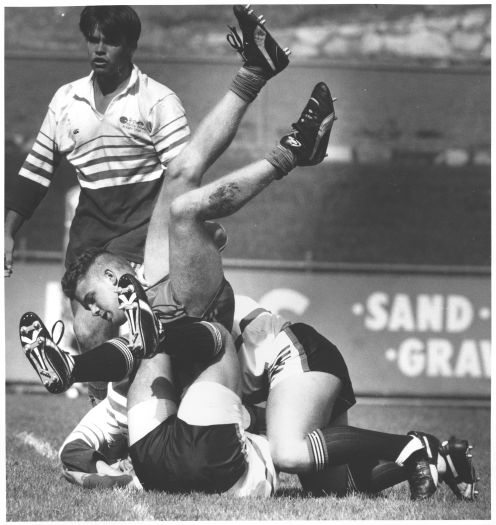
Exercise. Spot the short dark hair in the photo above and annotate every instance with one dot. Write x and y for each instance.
(114, 21)
(78, 269)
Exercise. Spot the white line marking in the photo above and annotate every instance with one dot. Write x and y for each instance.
(46, 450)
(42, 447)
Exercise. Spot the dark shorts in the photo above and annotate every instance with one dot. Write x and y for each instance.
(317, 354)
(178, 457)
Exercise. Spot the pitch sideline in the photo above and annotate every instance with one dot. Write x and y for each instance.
(45, 449)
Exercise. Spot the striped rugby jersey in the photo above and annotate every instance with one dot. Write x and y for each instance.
(119, 158)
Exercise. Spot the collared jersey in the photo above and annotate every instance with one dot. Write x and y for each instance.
(119, 158)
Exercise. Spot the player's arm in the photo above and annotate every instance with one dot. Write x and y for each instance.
(13, 221)
(25, 190)
(86, 444)
(82, 453)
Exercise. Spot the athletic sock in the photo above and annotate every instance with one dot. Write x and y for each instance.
(283, 159)
(373, 477)
(338, 445)
(111, 361)
(248, 82)
(198, 342)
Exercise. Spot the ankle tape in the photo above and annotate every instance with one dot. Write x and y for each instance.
(247, 83)
(283, 159)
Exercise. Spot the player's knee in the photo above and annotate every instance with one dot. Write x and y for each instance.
(183, 209)
(289, 455)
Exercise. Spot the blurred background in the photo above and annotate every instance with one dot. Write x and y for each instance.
(385, 247)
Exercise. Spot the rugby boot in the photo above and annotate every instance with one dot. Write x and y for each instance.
(309, 136)
(257, 48)
(53, 365)
(143, 325)
(460, 474)
(422, 467)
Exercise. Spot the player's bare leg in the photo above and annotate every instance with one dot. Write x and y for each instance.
(214, 396)
(215, 132)
(194, 261)
(151, 397)
(295, 407)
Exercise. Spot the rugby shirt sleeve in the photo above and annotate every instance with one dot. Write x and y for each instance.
(169, 128)
(25, 190)
(87, 443)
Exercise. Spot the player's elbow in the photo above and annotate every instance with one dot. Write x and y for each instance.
(185, 169)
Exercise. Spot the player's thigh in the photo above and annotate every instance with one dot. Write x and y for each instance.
(152, 397)
(224, 370)
(297, 405)
(195, 263)
(309, 387)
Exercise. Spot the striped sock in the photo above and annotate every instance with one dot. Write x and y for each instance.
(199, 342)
(338, 445)
(111, 361)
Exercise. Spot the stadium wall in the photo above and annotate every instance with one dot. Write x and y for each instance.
(408, 163)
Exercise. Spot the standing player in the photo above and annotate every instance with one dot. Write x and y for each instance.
(119, 129)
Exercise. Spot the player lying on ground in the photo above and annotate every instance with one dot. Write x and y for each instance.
(231, 190)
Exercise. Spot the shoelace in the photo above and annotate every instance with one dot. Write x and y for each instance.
(235, 41)
(62, 330)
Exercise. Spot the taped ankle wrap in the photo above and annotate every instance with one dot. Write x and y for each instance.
(283, 159)
(247, 84)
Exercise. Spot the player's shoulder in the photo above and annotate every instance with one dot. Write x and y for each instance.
(153, 89)
(66, 92)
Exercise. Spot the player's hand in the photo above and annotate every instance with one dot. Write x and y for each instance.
(111, 478)
(8, 255)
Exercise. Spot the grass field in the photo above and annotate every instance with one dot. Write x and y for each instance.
(37, 423)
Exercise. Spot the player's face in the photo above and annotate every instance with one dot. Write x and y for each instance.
(108, 56)
(97, 292)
